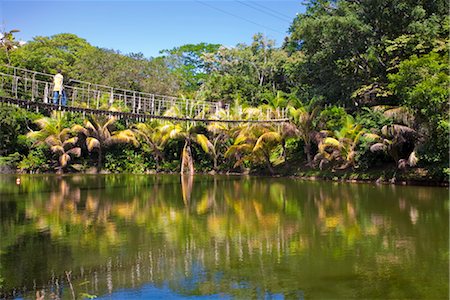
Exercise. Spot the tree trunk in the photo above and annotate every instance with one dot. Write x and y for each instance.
(186, 159)
(269, 164)
(307, 150)
(283, 145)
(215, 163)
(157, 163)
(100, 158)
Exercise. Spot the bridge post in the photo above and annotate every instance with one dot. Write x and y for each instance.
(74, 94)
(98, 98)
(152, 105)
(25, 87)
(111, 97)
(134, 102)
(45, 93)
(125, 98)
(33, 86)
(88, 92)
(14, 85)
(140, 104)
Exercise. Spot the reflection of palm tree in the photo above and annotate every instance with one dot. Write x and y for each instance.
(99, 135)
(186, 188)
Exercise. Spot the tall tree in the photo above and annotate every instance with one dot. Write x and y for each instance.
(187, 62)
(8, 42)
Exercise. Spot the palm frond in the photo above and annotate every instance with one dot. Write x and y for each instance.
(235, 149)
(70, 142)
(123, 137)
(52, 140)
(57, 149)
(64, 159)
(396, 129)
(64, 134)
(203, 141)
(413, 159)
(75, 151)
(173, 111)
(79, 129)
(43, 122)
(400, 114)
(109, 122)
(371, 136)
(267, 138)
(378, 147)
(92, 143)
(90, 127)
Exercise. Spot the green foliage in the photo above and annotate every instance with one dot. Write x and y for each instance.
(36, 161)
(385, 61)
(47, 54)
(332, 118)
(187, 63)
(13, 124)
(422, 84)
(126, 160)
(11, 160)
(372, 119)
(252, 73)
(8, 43)
(349, 44)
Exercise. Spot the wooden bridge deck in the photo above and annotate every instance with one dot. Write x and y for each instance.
(34, 90)
(30, 105)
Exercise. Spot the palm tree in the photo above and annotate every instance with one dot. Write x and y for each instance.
(254, 142)
(189, 133)
(341, 148)
(220, 135)
(152, 136)
(53, 134)
(99, 135)
(303, 118)
(8, 42)
(398, 141)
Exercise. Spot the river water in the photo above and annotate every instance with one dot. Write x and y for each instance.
(209, 237)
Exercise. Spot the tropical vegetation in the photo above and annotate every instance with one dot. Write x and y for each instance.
(365, 85)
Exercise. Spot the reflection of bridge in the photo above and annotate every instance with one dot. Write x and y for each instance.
(33, 90)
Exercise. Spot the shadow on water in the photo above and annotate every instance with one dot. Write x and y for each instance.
(247, 237)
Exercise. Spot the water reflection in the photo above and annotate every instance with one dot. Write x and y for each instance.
(242, 237)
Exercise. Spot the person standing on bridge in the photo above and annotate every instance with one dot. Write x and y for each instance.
(58, 88)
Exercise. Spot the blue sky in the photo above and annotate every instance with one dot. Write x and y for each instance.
(150, 26)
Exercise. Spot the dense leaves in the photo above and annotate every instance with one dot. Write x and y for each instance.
(349, 72)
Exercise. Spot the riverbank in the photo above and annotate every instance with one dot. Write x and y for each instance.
(384, 174)
(381, 175)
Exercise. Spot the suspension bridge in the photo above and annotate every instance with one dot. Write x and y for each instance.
(34, 91)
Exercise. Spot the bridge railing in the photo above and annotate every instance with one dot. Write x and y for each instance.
(35, 86)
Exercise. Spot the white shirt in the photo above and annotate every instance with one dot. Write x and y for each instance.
(57, 83)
